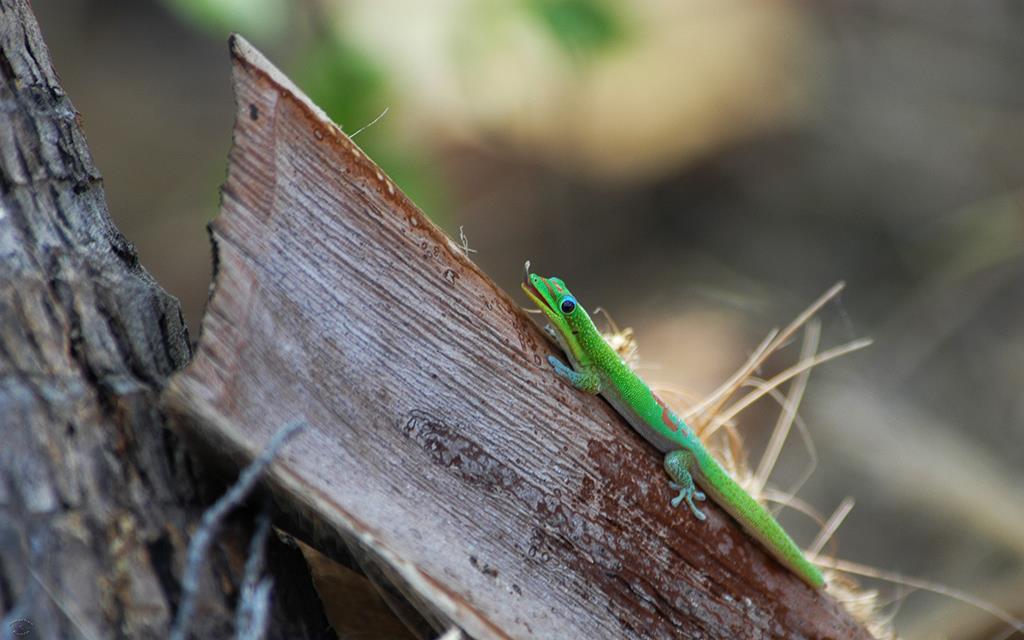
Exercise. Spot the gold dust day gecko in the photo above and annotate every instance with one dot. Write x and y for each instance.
(596, 368)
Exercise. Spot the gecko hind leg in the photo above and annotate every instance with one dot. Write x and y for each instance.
(677, 464)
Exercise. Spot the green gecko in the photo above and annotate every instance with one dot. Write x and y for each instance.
(597, 368)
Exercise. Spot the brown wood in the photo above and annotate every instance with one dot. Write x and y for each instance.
(97, 500)
(440, 441)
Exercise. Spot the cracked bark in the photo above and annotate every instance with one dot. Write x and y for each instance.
(97, 499)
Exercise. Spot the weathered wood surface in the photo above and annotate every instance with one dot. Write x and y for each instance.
(439, 438)
(97, 500)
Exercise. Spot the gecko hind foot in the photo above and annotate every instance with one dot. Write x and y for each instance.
(689, 494)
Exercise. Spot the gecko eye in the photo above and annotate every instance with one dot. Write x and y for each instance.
(568, 305)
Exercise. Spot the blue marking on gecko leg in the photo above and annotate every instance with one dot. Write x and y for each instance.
(587, 381)
(677, 464)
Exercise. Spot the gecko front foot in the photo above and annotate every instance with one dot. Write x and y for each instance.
(587, 381)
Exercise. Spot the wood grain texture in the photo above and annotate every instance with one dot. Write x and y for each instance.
(97, 498)
(440, 439)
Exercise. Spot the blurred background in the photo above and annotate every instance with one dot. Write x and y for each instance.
(702, 169)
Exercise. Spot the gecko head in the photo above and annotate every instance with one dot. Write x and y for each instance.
(556, 301)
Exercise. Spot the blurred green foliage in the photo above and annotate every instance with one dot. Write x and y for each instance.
(339, 78)
(255, 18)
(354, 88)
(583, 28)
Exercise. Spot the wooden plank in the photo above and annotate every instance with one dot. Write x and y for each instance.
(440, 440)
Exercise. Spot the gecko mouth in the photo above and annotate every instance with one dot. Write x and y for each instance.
(532, 290)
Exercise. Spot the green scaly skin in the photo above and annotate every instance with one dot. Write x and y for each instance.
(597, 368)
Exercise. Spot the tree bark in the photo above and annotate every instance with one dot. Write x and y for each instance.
(439, 442)
(97, 499)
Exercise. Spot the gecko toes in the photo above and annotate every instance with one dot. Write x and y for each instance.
(689, 494)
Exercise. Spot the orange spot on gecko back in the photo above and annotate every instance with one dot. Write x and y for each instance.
(547, 285)
(666, 414)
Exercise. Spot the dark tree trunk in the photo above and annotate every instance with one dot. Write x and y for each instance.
(97, 500)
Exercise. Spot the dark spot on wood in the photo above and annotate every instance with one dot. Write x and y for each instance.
(124, 250)
(466, 459)
(485, 569)
(21, 628)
